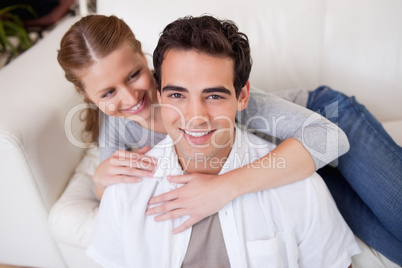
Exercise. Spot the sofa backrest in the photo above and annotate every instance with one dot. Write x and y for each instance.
(350, 45)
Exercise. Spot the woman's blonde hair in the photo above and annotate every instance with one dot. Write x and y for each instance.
(92, 38)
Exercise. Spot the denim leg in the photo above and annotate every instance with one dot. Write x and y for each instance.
(359, 217)
(373, 165)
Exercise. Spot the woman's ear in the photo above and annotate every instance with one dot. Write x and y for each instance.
(243, 97)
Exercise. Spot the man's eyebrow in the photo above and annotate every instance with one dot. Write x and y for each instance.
(217, 90)
(205, 91)
(174, 88)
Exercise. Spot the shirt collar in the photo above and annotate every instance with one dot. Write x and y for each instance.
(168, 163)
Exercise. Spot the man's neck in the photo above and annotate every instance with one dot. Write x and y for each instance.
(206, 165)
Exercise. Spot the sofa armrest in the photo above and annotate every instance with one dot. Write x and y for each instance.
(36, 157)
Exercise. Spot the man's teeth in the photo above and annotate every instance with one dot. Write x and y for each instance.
(136, 107)
(196, 134)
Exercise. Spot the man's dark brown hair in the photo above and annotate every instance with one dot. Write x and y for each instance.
(206, 34)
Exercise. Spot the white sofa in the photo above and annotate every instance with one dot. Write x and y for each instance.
(352, 46)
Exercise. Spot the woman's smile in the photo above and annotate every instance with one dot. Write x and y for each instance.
(137, 108)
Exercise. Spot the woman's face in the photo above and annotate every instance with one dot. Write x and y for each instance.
(121, 85)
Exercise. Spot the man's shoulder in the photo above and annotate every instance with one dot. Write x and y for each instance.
(307, 195)
(122, 196)
(118, 191)
(312, 186)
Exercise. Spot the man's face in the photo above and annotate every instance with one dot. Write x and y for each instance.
(199, 103)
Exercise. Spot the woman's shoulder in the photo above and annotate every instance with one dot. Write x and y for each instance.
(297, 96)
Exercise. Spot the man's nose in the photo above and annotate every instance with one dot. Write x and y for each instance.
(197, 114)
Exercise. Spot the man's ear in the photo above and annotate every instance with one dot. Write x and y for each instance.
(243, 97)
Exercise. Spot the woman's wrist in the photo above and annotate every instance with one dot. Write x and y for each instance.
(99, 189)
(233, 184)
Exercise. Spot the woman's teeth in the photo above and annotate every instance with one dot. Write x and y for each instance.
(196, 134)
(136, 107)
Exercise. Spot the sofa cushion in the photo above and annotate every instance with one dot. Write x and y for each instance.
(394, 129)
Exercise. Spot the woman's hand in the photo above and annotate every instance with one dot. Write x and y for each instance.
(200, 197)
(123, 166)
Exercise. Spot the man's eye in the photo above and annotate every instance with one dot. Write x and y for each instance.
(108, 93)
(214, 97)
(176, 95)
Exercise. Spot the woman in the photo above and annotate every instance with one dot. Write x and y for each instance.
(104, 61)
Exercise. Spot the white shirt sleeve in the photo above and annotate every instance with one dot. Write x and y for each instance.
(327, 239)
(107, 245)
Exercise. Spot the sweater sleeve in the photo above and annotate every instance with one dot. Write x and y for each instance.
(111, 136)
(276, 118)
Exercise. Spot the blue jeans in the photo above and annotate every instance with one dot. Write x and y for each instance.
(367, 182)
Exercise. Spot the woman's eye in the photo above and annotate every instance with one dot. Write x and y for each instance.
(134, 75)
(176, 95)
(108, 93)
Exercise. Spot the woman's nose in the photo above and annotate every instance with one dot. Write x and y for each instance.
(129, 96)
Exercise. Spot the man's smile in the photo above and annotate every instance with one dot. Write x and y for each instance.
(196, 137)
(196, 133)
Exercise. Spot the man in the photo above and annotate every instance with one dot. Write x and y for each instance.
(202, 67)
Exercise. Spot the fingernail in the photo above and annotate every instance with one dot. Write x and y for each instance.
(138, 180)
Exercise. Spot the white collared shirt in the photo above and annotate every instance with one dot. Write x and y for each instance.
(296, 225)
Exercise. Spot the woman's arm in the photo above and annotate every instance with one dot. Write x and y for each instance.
(204, 195)
(273, 116)
(287, 163)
